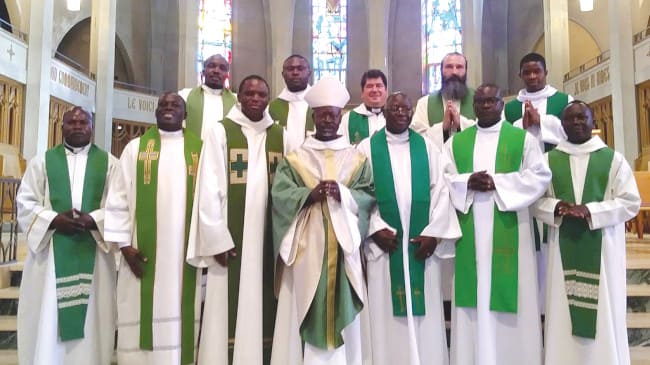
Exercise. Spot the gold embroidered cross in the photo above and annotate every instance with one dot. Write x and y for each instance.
(147, 156)
(401, 295)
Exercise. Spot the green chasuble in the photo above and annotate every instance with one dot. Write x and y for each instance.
(580, 247)
(335, 302)
(505, 238)
(435, 107)
(419, 216)
(145, 216)
(357, 127)
(194, 120)
(74, 254)
(237, 179)
(279, 111)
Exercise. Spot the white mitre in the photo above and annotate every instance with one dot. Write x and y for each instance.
(328, 91)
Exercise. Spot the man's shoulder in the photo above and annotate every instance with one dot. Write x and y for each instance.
(184, 93)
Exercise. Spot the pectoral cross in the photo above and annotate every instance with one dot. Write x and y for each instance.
(147, 156)
(401, 295)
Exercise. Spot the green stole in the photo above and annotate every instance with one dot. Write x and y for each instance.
(237, 181)
(420, 203)
(194, 120)
(358, 128)
(279, 111)
(145, 217)
(580, 247)
(505, 235)
(436, 108)
(74, 254)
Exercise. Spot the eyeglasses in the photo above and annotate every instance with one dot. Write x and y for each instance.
(489, 100)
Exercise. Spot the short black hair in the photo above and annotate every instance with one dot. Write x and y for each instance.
(169, 92)
(69, 113)
(532, 57)
(295, 55)
(574, 102)
(442, 61)
(373, 74)
(253, 77)
(492, 85)
(205, 62)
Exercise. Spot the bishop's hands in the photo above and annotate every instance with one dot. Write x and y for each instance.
(134, 259)
(481, 181)
(531, 115)
(224, 257)
(324, 189)
(73, 221)
(566, 209)
(451, 118)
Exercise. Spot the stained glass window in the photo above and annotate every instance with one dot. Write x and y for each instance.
(441, 34)
(215, 30)
(329, 38)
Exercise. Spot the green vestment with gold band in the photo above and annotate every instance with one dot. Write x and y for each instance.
(195, 100)
(146, 222)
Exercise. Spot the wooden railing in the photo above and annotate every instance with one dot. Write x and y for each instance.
(587, 65)
(8, 219)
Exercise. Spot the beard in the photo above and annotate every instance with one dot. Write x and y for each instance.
(454, 87)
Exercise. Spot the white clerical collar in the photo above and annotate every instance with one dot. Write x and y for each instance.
(397, 138)
(339, 143)
(76, 150)
(594, 144)
(237, 116)
(363, 110)
(547, 91)
(209, 90)
(493, 128)
(290, 96)
(170, 134)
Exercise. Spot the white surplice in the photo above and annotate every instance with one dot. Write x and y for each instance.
(375, 122)
(170, 233)
(298, 278)
(479, 335)
(434, 132)
(296, 117)
(412, 340)
(549, 131)
(38, 339)
(212, 106)
(209, 236)
(620, 203)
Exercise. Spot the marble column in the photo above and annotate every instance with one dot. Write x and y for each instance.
(280, 18)
(472, 23)
(37, 93)
(556, 40)
(102, 64)
(621, 72)
(377, 12)
(188, 43)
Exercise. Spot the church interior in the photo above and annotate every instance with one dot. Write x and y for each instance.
(115, 57)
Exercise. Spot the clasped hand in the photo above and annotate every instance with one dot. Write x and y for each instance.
(324, 189)
(481, 181)
(387, 241)
(451, 118)
(531, 115)
(73, 221)
(566, 209)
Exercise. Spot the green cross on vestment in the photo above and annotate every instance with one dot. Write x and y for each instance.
(239, 165)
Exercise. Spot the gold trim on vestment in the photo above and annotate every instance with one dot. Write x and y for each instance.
(147, 156)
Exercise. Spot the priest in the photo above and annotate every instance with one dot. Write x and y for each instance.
(407, 247)
(211, 101)
(498, 172)
(147, 216)
(593, 193)
(322, 197)
(290, 109)
(443, 113)
(66, 312)
(230, 232)
(367, 118)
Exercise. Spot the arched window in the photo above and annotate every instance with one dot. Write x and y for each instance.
(441, 34)
(329, 38)
(215, 30)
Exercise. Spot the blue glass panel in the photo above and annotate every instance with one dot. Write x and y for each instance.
(329, 38)
(441, 34)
